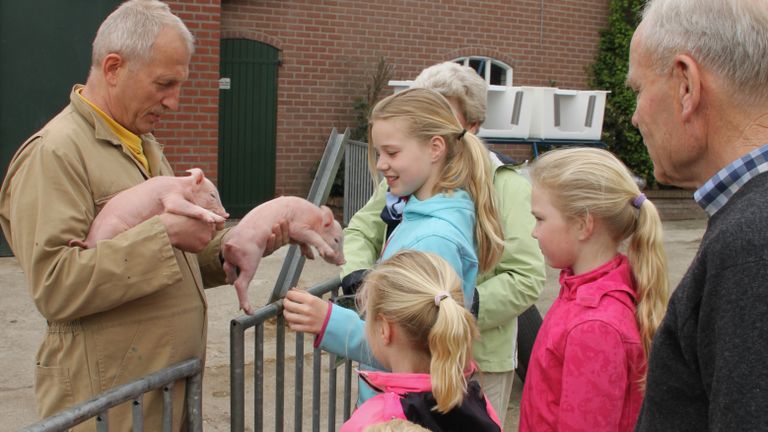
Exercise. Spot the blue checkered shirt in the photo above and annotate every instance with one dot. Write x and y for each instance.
(716, 192)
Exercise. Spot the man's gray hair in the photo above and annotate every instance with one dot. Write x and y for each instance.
(456, 81)
(132, 29)
(729, 37)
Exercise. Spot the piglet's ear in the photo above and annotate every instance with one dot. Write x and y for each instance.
(197, 175)
(327, 216)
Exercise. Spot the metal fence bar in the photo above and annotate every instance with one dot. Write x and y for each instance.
(194, 398)
(347, 389)
(298, 386)
(137, 412)
(280, 374)
(99, 405)
(258, 376)
(237, 371)
(168, 408)
(102, 422)
(237, 375)
(331, 393)
(316, 368)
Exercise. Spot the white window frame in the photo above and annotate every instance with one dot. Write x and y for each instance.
(489, 62)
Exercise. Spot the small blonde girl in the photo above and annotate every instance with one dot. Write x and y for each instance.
(418, 328)
(589, 360)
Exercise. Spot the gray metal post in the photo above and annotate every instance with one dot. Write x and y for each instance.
(194, 389)
(237, 376)
(331, 393)
(137, 411)
(168, 408)
(317, 366)
(298, 385)
(258, 379)
(347, 389)
(102, 422)
(280, 375)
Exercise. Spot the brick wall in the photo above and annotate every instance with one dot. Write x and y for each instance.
(190, 135)
(329, 50)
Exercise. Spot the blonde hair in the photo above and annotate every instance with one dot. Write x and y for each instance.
(403, 289)
(467, 164)
(131, 31)
(460, 82)
(586, 181)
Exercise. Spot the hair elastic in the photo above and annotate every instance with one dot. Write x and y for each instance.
(638, 201)
(442, 295)
(461, 135)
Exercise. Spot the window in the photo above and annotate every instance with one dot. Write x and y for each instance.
(494, 71)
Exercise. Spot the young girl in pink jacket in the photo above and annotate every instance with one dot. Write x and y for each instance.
(418, 328)
(588, 364)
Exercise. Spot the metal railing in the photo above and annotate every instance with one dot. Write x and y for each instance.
(238, 373)
(288, 277)
(358, 186)
(99, 406)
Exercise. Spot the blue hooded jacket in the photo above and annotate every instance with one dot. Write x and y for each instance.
(444, 225)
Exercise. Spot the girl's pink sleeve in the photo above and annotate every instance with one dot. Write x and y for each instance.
(595, 379)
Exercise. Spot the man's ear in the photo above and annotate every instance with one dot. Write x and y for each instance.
(437, 147)
(111, 66)
(687, 75)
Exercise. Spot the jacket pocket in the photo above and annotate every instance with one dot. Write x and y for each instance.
(127, 352)
(53, 389)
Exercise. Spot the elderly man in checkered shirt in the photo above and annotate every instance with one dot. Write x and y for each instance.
(700, 70)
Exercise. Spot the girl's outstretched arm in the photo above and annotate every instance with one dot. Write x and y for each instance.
(339, 330)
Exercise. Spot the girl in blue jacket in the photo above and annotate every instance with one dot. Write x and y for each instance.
(444, 173)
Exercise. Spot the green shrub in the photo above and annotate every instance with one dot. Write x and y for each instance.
(609, 72)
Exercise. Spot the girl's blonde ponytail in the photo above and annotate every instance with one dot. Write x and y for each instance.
(422, 294)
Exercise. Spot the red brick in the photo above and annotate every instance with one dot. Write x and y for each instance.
(329, 49)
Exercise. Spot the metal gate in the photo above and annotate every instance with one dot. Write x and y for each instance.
(35, 86)
(247, 123)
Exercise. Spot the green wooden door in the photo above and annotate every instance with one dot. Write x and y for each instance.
(45, 48)
(247, 122)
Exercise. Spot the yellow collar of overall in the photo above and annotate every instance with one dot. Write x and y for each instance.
(129, 139)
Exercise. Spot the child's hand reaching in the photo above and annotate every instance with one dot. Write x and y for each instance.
(304, 312)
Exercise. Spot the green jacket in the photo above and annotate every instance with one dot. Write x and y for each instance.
(506, 292)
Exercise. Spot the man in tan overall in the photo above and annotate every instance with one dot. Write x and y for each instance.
(133, 304)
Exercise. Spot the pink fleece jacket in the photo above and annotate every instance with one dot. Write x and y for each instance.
(587, 360)
(409, 396)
